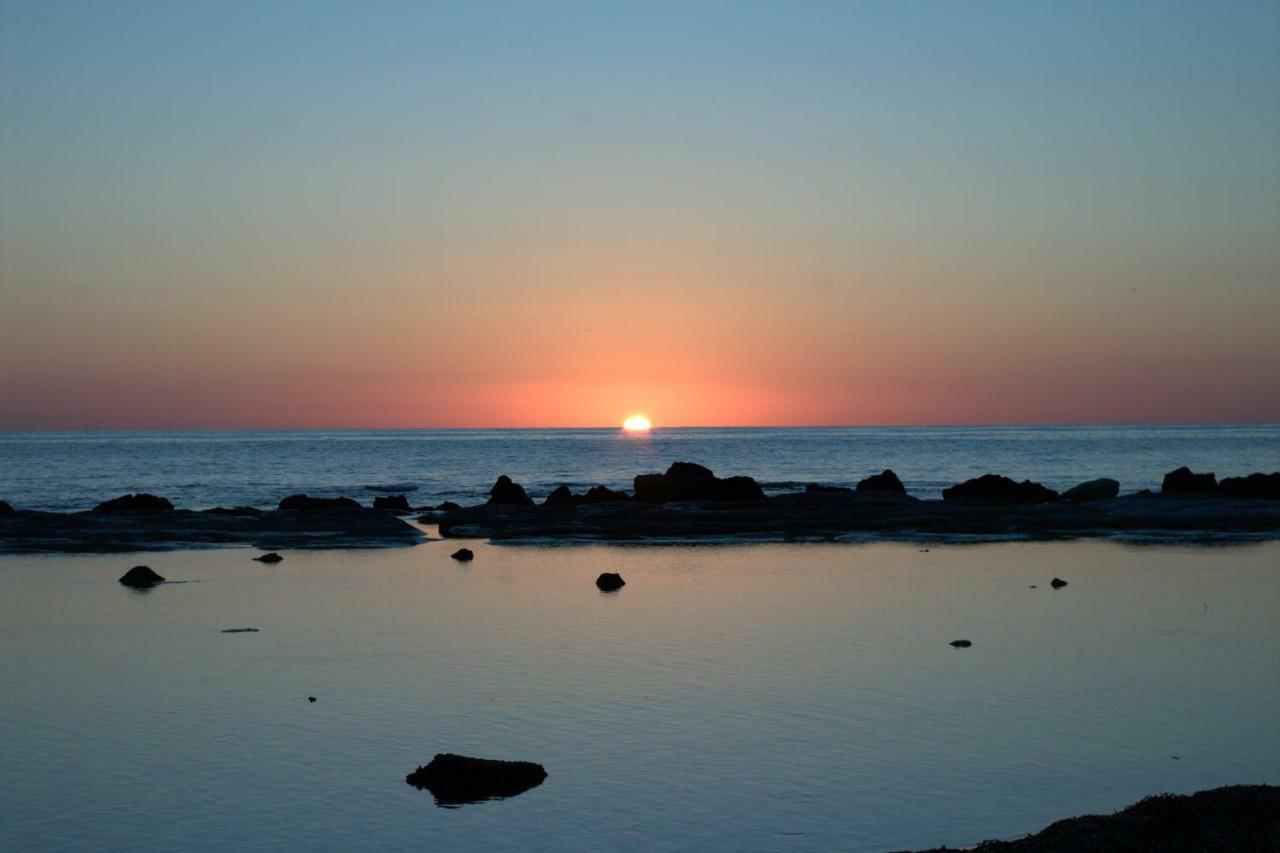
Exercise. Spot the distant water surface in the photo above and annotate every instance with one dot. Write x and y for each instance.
(767, 697)
(75, 470)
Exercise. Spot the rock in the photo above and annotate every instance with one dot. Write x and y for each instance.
(1104, 488)
(1057, 583)
(141, 577)
(273, 557)
(458, 779)
(448, 506)
(819, 489)
(239, 630)
(311, 698)
(961, 644)
(5, 508)
(398, 503)
(463, 555)
(506, 492)
(687, 481)
(304, 503)
(885, 481)
(140, 502)
(610, 582)
(233, 512)
(1253, 487)
(604, 495)
(1182, 480)
(993, 488)
(560, 496)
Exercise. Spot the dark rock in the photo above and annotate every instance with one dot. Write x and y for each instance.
(135, 503)
(273, 557)
(819, 489)
(311, 698)
(399, 503)
(604, 495)
(239, 630)
(449, 506)
(686, 481)
(506, 492)
(561, 496)
(1253, 487)
(141, 577)
(993, 488)
(1057, 583)
(885, 481)
(1182, 480)
(234, 512)
(610, 582)
(304, 503)
(961, 644)
(457, 779)
(1104, 488)
(5, 508)
(463, 555)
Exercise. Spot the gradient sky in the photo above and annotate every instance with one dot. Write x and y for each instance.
(556, 214)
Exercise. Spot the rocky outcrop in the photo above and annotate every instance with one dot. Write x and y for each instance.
(5, 509)
(448, 506)
(140, 502)
(395, 503)
(687, 481)
(604, 495)
(305, 503)
(961, 644)
(463, 555)
(993, 488)
(1182, 481)
(1092, 490)
(270, 559)
(1057, 583)
(458, 779)
(505, 492)
(885, 481)
(610, 582)
(141, 577)
(561, 496)
(1253, 487)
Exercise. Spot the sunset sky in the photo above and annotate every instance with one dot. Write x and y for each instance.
(558, 214)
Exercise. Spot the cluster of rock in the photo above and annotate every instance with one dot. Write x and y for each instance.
(1253, 487)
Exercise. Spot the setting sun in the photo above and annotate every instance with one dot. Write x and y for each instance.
(637, 423)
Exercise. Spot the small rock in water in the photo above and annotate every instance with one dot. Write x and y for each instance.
(141, 577)
(273, 557)
(1057, 583)
(239, 630)
(463, 554)
(1033, 586)
(610, 582)
(311, 698)
(397, 503)
(961, 644)
(448, 506)
(458, 779)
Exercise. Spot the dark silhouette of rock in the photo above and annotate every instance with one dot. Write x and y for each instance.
(239, 630)
(561, 496)
(463, 555)
(885, 481)
(140, 502)
(1101, 489)
(687, 481)
(604, 495)
(5, 509)
(398, 503)
(506, 492)
(273, 557)
(610, 582)
(819, 489)
(1182, 480)
(457, 779)
(1252, 487)
(449, 506)
(234, 512)
(1057, 583)
(141, 577)
(305, 503)
(311, 698)
(993, 488)
(961, 644)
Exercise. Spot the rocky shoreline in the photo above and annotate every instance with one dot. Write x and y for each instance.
(687, 503)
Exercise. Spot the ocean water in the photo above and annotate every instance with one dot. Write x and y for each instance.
(733, 697)
(75, 470)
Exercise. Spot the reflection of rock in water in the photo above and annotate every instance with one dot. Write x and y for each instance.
(456, 780)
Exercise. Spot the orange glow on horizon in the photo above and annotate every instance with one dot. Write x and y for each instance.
(637, 423)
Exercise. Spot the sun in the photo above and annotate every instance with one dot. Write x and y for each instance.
(637, 423)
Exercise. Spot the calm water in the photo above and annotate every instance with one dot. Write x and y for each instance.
(766, 697)
(75, 470)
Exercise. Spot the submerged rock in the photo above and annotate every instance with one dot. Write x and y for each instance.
(141, 577)
(140, 502)
(504, 491)
(239, 630)
(463, 555)
(399, 503)
(305, 503)
(1182, 480)
(993, 488)
(1057, 583)
(273, 557)
(885, 481)
(458, 779)
(687, 481)
(961, 644)
(1101, 489)
(1252, 487)
(610, 582)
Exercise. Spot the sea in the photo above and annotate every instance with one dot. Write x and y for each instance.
(758, 697)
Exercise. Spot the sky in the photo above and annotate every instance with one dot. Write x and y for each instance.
(488, 214)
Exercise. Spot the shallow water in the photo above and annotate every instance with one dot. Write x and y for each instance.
(75, 470)
(764, 697)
